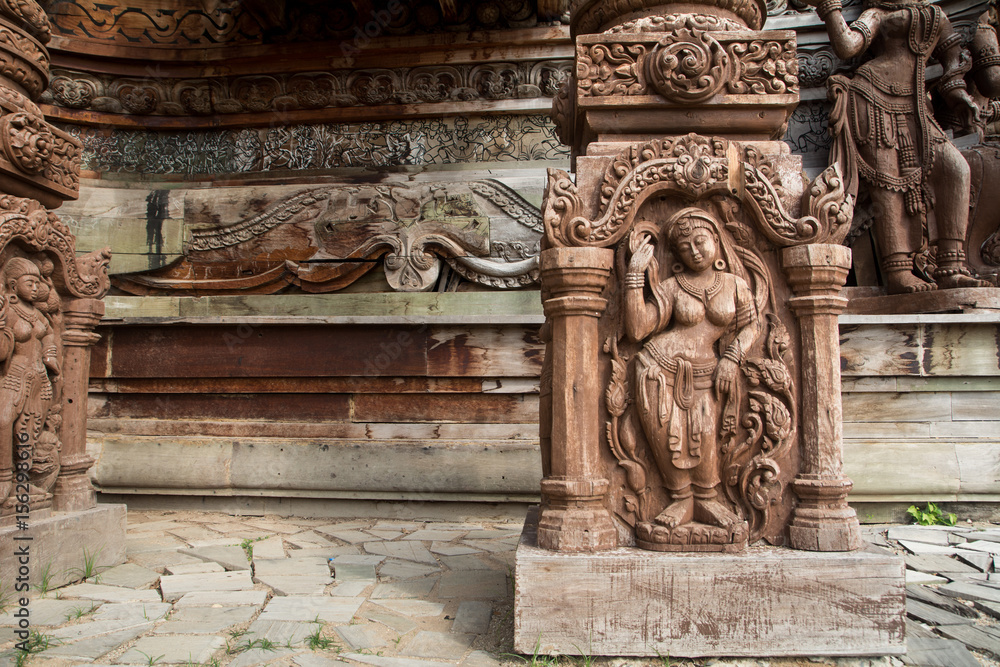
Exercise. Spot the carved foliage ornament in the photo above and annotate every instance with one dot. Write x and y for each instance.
(307, 90)
(690, 64)
(695, 166)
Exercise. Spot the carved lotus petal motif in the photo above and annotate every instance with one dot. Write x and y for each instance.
(27, 141)
(688, 66)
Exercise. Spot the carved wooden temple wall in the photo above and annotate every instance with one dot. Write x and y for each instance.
(326, 221)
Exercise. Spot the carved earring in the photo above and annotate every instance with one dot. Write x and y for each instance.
(720, 265)
(677, 267)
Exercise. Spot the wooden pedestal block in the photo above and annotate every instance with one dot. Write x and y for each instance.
(765, 601)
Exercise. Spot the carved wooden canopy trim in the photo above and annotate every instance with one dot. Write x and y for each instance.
(26, 223)
(694, 167)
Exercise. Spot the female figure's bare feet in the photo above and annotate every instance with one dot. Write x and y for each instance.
(677, 513)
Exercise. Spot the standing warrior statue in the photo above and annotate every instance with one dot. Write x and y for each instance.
(884, 130)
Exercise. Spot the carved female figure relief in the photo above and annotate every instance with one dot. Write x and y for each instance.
(695, 328)
(884, 130)
(30, 363)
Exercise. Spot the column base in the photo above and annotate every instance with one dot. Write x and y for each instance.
(574, 517)
(823, 521)
(73, 491)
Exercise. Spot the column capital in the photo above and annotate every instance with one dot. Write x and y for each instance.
(816, 269)
(80, 318)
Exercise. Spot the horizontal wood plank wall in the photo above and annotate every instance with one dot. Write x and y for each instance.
(922, 407)
(377, 397)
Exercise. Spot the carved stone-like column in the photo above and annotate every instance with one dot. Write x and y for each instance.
(73, 490)
(573, 516)
(822, 521)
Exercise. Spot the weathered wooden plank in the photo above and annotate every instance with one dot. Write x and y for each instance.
(100, 355)
(966, 429)
(883, 468)
(501, 307)
(979, 463)
(960, 349)
(886, 430)
(528, 385)
(879, 350)
(975, 405)
(301, 385)
(931, 564)
(888, 407)
(948, 383)
(260, 351)
(865, 383)
(273, 407)
(634, 602)
(485, 408)
(277, 466)
(485, 351)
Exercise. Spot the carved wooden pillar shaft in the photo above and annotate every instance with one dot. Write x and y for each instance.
(573, 516)
(73, 490)
(822, 521)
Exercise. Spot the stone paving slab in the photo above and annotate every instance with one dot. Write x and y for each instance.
(227, 598)
(259, 656)
(205, 620)
(292, 585)
(313, 660)
(175, 586)
(387, 535)
(472, 617)
(310, 565)
(114, 611)
(938, 653)
(400, 624)
(473, 584)
(350, 589)
(137, 544)
(269, 548)
(201, 567)
(440, 645)
(128, 575)
(159, 559)
(182, 649)
(48, 611)
(104, 593)
(230, 557)
(290, 633)
(91, 629)
(90, 649)
(353, 571)
(435, 535)
(445, 549)
(412, 589)
(401, 569)
(360, 637)
(480, 659)
(405, 550)
(413, 608)
(381, 661)
(923, 534)
(336, 610)
(467, 562)
(359, 559)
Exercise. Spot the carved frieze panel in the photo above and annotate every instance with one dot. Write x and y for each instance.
(501, 138)
(688, 62)
(325, 239)
(305, 90)
(195, 23)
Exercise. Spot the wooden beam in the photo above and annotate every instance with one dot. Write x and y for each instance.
(550, 10)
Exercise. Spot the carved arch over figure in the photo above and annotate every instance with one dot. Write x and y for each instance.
(695, 167)
(26, 221)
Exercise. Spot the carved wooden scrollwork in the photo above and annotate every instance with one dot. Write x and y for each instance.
(27, 221)
(695, 167)
(27, 140)
(688, 66)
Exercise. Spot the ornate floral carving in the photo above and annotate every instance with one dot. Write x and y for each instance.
(696, 166)
(690, 64)
(594, 16)
(29, 14)
(419, 142)
(307, 90)
(23, 60)
(27, 141)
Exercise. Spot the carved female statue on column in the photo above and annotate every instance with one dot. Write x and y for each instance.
(695, 331)
(29, 360)
(884, 130)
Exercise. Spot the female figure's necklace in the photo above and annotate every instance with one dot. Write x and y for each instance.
(26, 315)
(702, 295)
